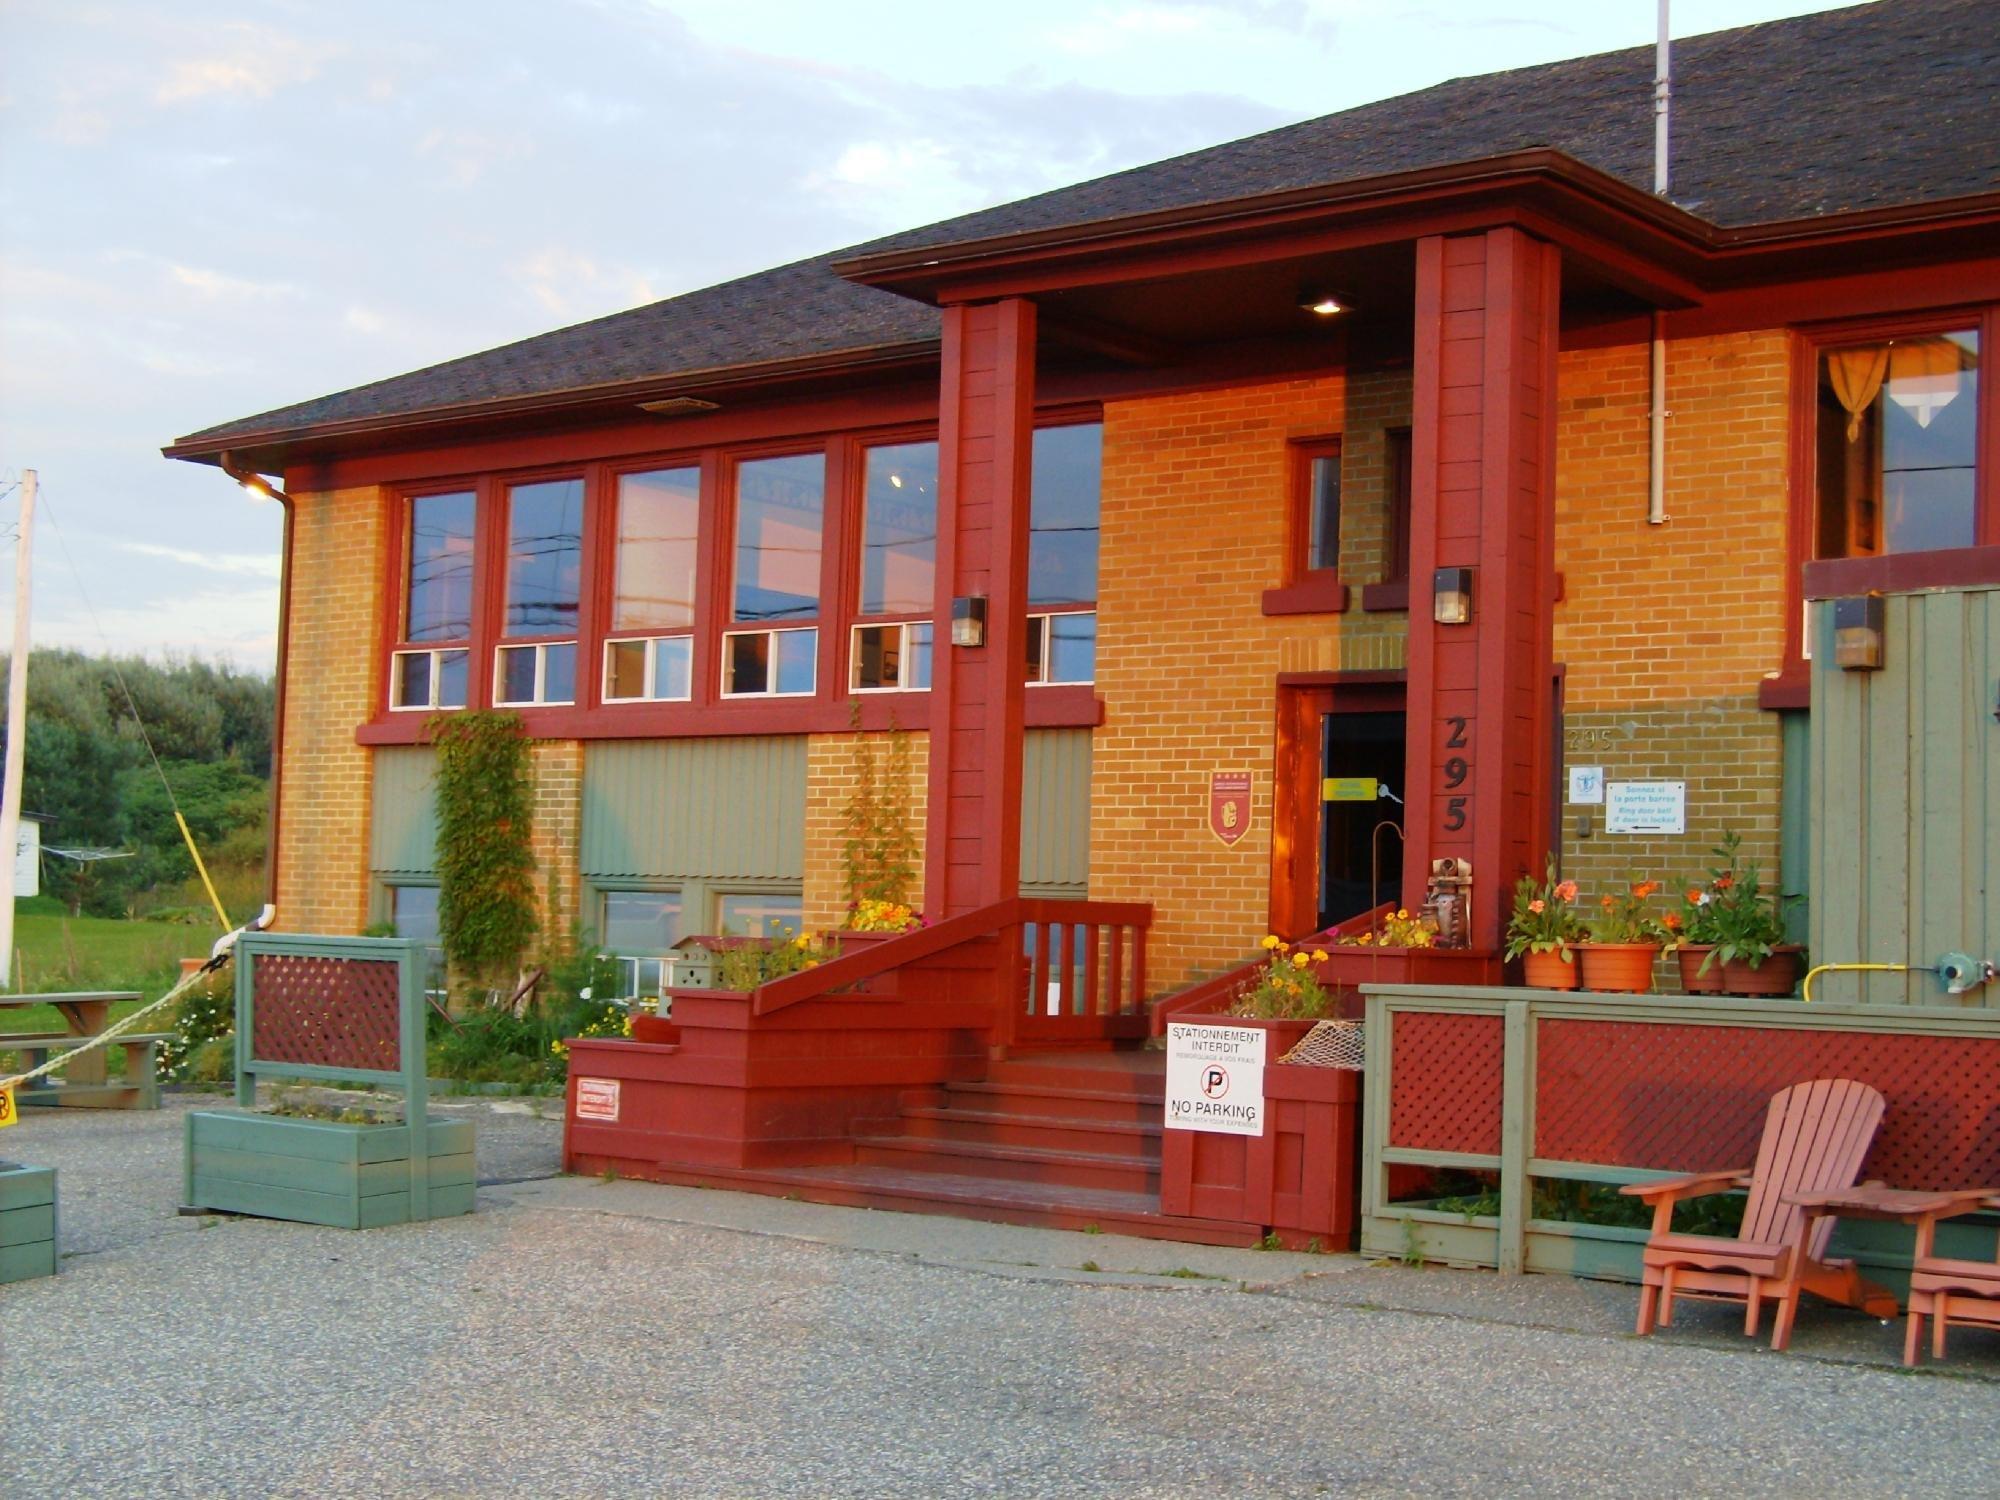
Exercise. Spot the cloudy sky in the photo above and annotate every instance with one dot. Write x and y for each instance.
(214, 207)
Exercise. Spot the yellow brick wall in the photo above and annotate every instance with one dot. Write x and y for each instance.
(557, 769)
(1194, 527)
(830, 780)
(1666, 630)
(330, 688)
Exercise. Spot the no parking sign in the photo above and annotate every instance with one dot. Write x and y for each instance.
(1215, 1078)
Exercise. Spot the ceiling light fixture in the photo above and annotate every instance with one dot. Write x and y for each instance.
(1323, 303)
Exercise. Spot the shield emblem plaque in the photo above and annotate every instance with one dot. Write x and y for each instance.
(1229, 805)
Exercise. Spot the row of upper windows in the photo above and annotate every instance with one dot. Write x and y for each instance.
(776, 520)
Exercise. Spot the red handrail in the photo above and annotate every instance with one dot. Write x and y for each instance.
(853, 968)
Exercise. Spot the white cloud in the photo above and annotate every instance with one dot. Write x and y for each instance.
(237, 564)
(246, 60)
(214, 284)
(571, 284)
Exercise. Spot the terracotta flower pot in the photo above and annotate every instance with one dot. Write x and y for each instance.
(1548, 971)
(1693, 980)
(1622, 967)
(1775, 977)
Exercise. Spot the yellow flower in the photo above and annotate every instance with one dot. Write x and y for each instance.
(1300, 960)
(812, 963)
(1319, 955)
(1402, 914)
(1271, 942)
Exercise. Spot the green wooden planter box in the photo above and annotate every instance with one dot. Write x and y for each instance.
(27, 1222)
(323, 1171)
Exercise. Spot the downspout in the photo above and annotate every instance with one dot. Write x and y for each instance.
(258, 485)
(1663, 91)
(1656, 475)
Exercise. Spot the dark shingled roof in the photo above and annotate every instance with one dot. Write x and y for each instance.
(1870, 107)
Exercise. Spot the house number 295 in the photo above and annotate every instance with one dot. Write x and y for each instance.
(1456, 769)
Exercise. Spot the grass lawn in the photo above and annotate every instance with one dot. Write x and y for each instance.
(63, 953)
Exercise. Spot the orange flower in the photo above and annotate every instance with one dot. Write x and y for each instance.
(1724, 882)
(1566, 891)
(1645, 888)
(1605, 902)
(1538, 907)
(1672, 920)
(1693, 895)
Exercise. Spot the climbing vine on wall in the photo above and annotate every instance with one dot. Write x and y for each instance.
(878, 849)
(485, 863)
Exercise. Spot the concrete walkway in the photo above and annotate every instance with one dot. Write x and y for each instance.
(578, 1337)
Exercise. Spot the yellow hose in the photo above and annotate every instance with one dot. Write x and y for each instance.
(1811, 974)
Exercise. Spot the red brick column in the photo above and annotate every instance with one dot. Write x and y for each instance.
(1482, 496)
(972, 854)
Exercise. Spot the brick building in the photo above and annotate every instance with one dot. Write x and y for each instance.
(1204, 440)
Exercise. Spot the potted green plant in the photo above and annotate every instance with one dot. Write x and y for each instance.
(1544, 929)
(1625, 938)
(1742, 928)
(1285, 994)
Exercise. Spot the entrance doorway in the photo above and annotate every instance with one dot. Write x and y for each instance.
(1340, 779)
(1361, 813)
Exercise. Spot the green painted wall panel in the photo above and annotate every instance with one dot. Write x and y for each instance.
(1905, 798)
(1055, 812)
(402, 836)
(714, 809)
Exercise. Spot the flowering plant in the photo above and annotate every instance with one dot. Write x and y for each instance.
(1626, 918)
(1731, 913)
(1544, 918)
(744, 966)
(1285, 988)
(1398, 930)
(871, 914)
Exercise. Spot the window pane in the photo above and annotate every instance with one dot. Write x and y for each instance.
(761, 916)
(625, 669)
(899, 530)
(413, 912)
(439, 606)
(780, 503)
(749, 667)
(1323, 511)
(641, 922)
(672, 667)
(796, 650)
(1398, 568)
(654, 578)
(517, 674)
(559, 673)
(878, 657)
(920, 655)
(1895, 447)
(451, 675)
(544, 556)
(1062, 546)
(1072, 648)
(1038, 629)
(413, 680)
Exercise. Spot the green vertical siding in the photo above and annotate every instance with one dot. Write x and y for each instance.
(712, 809)
(403, 820)
(1055, 812)
(1905, 796)
(1795, 823)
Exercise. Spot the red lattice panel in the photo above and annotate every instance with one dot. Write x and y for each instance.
(328, 1012)
(1681, 1098)
(1445, 1082)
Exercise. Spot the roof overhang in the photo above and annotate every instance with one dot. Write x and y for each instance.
(1646, 243)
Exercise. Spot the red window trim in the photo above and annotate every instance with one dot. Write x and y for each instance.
(1306, 590)
(1787, 687)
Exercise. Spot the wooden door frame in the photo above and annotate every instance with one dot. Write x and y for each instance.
(1295, 780)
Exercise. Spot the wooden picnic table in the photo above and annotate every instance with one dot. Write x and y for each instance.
(85, 1013)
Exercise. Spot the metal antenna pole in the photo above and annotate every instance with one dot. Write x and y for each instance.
(17, 726)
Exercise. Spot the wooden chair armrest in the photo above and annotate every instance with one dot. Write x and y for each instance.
(1970, 1201)
(1694, 1185)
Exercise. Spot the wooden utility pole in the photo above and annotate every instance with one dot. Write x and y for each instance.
(17, 726)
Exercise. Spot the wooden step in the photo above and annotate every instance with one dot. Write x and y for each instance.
(1038, 1100)
(1054, 1170)
(992, 1200)
(1137, 1074)
(1119, 1138)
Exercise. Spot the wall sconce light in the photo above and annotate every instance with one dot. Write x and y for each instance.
(1322, 302)
(1451, 596)
(968, 620)
(1858, 634)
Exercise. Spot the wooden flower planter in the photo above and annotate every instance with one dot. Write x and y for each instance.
(324, 1171)
(27, 1222)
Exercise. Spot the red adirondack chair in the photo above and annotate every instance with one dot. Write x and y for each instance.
(1815, 1138)
(1965, 1292)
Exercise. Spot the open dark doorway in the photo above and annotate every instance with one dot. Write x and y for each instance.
(1361, 769)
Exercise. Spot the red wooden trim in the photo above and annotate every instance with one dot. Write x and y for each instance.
(1348, 681)
(1397, 444)
(1426, 419)
(1093, 996)
(1385, 596)
(1788, 690)
(1320, 593)
(1903, 572)
(879, 958)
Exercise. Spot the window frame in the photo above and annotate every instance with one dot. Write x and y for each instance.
(835, 501)
(502, 525)
(395, 625)
(1306, 590)
(1788, 686)
(854, 557)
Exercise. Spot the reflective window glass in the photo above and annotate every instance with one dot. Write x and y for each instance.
(658, 517)
(544, 557)
(899, 530)
(780, 511)
(438, 606)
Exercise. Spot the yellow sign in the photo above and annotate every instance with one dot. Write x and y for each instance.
(1347, 789)
(7, 1114)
